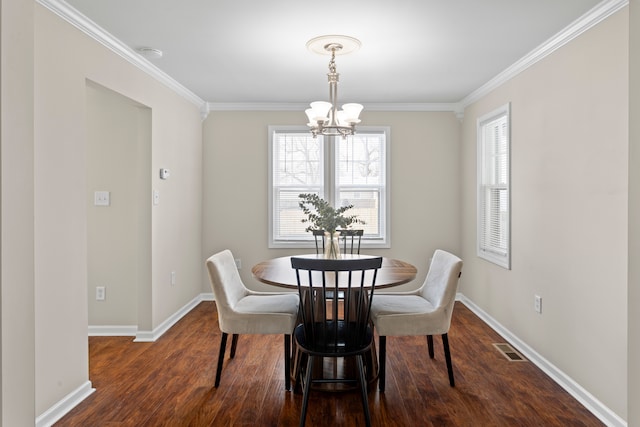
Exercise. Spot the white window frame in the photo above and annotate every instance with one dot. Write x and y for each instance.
(329, 190)
(494, 219)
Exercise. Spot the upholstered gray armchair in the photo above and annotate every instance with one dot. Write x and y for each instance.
(425, 311)
(243, 311)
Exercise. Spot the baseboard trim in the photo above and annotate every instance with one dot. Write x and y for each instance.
(113, 330)
(595, 406)
(207, 296)
(148, 336)
(151, 336)
(60, 409)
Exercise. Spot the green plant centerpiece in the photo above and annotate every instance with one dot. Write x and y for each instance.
(322, 216)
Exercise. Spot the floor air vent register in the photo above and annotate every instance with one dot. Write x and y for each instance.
(509, 352)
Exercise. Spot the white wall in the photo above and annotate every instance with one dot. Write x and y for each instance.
(64, 60)
(425, 208)
(118, 235)
(634, 214)
(16, 217)
(569, 150)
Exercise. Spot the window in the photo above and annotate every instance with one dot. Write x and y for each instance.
(494, 211)
(343, 171)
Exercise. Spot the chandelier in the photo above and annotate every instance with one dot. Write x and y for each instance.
(324, 117)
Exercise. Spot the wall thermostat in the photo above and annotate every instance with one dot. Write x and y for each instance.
(164, 173)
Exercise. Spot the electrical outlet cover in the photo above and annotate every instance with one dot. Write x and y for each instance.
(537, 304)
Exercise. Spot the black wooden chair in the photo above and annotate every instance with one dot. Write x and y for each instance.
(318, 235)
(333, 326)
(351, 240)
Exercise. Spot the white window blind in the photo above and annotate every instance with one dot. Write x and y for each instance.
(297, 167)
(361, 180)
(349, 171)
(494, 240)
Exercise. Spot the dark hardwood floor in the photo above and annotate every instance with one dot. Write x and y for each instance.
(170, 383)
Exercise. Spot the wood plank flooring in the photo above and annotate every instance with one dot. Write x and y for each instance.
(170, 383)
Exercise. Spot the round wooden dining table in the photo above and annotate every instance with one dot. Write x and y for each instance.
(278, 272)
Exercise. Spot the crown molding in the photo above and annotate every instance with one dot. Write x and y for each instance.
(412, 106)
(596, 15)
(276, 106)
(454, 107)
(255, 106)
(90, 28)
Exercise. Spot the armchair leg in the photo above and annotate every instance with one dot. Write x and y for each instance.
(223, 346)
(447, 356)
(234, 344)
(430, 345)
(287, 362)
(382, 370)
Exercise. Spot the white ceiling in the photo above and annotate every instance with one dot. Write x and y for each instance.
(413, 51)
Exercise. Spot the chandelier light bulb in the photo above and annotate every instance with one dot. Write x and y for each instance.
(310, 116)
(320, 111)
(352, 112)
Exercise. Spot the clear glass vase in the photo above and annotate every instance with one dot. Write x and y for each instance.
(332, 244)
